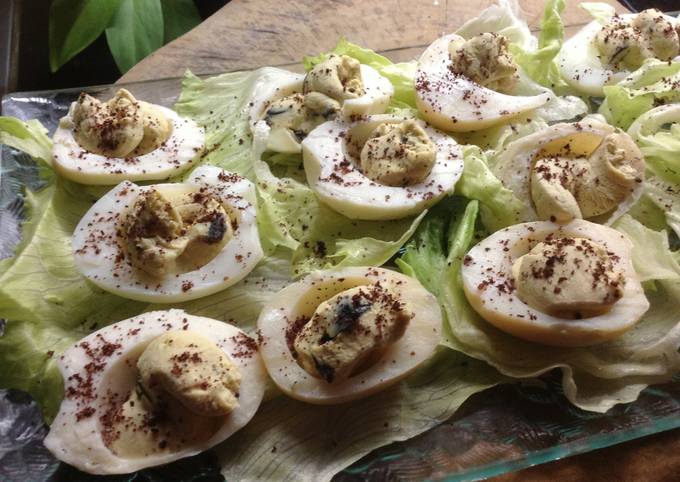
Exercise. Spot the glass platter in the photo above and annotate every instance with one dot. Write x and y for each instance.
(500, 430)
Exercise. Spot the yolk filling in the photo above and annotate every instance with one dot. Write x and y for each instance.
(168, 233)
(349, 332)
(186, 387)
(569, 277)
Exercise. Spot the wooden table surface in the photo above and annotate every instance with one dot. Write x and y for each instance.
(252, 33)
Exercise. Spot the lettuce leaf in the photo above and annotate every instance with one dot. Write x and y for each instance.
(594, 378)
(505, 18)
(540, 63)
(498, 205)
(29, 137)
(602, 12)
(653, 84)
(652, 256)
(220, 104)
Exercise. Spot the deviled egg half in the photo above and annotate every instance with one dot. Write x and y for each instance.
(559, 284)
(604, 54)
(152, 389)
(465, 85)
(339, 335)
(170, 242)
(381, 167)
(287, 106)
(103, 143)
(567, 171)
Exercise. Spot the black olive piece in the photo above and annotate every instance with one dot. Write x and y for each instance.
(329, 113)
(277, 110)
(327, 372)
(217, 229)
(348, 312)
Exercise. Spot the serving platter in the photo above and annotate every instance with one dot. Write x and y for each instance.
(496, 431)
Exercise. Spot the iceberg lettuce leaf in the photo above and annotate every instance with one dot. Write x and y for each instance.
(540, 63)
(602, 12)
(651, 85)
(499, 207)
(291, 440)
(652, 256)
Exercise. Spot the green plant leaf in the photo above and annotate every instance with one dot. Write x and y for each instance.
(75, 24)
(135, 31)
(179, 16)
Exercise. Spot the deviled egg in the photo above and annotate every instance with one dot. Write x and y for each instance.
(152, 389)
(559, 284)
(585, 169)
(339, 335)
(603, 54)
(381, 167)
(104, 143)
(287, 106)
(170, 242)
(466, 85)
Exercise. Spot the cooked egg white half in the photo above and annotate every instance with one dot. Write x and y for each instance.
(173, 157)
(284, 319)
(515, 164)
(83, 434)
(580, 61)
(330, 154)
(276, 84)
(273, 84)
(492, 289)
(100, 257)
(452, 102)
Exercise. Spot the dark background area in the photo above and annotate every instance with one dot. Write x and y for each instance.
(24, 54)
(24, 37)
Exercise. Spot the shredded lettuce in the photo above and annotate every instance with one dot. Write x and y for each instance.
(594, 378)
(653, 84)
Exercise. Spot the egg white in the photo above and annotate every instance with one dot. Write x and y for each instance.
(580, 65)
(487, 277)
(454, 103)
(275, 84)
(514, 164)
(333, 173)
(418, 343)
(78, 441)
(173, 157)
(97, 253)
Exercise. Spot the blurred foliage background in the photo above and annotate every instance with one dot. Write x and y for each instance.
(69, 43)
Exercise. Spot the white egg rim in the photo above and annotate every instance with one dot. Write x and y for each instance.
(100, 265)
(86, 433)
(650, 122)
(513, 165)
(421, 337)
(77, 164)
(433, 68)
(487, 299)
(351, 197)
